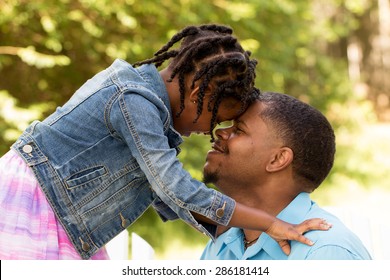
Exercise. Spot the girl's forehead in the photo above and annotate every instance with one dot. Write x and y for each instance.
(230, 103)
(229, 110)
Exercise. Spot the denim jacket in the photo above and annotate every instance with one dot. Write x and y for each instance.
(109, 153)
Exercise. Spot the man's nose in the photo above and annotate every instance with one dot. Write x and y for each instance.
(223, 133)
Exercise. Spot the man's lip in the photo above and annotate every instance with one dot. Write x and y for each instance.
(217, 148)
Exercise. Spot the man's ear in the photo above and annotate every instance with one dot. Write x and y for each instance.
(280, 160)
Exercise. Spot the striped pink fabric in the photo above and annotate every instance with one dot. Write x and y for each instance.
(28, 226)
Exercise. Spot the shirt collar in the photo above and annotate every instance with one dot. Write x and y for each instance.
(294, 213)
(227, 238)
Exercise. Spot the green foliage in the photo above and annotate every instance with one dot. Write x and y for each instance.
(48, 49)
(14, 119)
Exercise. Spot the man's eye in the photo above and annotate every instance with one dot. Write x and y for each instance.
(237, 129)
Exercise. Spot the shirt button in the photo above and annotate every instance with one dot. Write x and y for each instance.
(27, 149)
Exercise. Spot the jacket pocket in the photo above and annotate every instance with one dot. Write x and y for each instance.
(85, 176)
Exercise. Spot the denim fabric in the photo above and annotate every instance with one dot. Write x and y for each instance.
(109, 153)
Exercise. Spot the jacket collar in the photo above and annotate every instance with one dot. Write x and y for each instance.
(149, 73)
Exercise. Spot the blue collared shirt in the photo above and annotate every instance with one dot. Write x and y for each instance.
(338, 243)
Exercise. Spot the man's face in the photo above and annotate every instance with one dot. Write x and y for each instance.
(241, 152)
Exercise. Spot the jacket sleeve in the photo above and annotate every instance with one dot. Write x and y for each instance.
(139, 122)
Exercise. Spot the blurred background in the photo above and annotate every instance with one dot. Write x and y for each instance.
(333, 54)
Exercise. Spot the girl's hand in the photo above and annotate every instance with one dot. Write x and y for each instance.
(282, 232)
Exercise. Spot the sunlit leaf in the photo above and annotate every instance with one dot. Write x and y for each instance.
(39, 60)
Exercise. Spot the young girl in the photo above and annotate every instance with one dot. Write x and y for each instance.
(74, 181)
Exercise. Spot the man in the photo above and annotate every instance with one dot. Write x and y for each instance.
(272, 157)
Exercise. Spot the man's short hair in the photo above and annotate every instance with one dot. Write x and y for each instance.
(306, 131)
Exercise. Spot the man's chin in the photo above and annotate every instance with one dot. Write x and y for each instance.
(210, 177)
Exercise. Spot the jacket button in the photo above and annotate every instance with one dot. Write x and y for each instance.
(86, 247)
(124, 222)
(27, 149)
(221, 211)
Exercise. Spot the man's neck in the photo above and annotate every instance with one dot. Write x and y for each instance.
(271, 199)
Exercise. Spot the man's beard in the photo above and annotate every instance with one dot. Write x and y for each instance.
(210, 177)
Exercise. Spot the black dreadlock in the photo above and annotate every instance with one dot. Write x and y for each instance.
(212, 55)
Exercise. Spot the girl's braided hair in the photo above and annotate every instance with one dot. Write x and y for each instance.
(214, 57)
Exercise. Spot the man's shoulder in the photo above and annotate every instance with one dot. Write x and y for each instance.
(337, 234)
(333, 242)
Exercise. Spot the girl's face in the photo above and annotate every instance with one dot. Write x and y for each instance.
(229, 109)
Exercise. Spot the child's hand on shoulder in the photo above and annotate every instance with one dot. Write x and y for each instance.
(282, 232)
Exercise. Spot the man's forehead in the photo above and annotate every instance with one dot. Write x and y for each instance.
(253, 111)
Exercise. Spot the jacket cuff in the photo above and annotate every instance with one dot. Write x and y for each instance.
(222, 210)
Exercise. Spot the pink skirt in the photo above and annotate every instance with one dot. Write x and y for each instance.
(29, 229)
